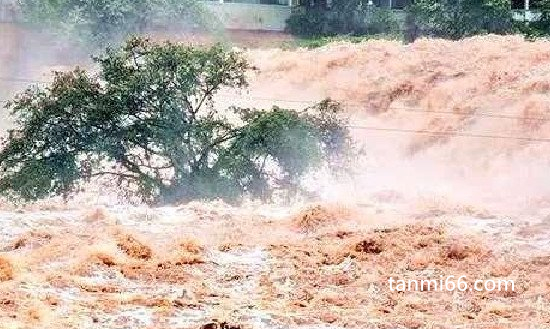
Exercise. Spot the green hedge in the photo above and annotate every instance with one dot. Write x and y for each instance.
(345, 17)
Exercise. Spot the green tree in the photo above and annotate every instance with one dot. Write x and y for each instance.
(357, 17)
(101, 22)
(540, 26)
(352, 17)
(455, 19)
(148, 119)
(307, 21)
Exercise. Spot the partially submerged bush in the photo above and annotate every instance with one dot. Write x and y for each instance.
(317, 42)
(148, 120)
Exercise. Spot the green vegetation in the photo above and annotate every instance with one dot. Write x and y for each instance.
(148, 120)
(317, 42)
(355, 21)
(98, 23)
(541, 26)
(344, 17)
(455, 19)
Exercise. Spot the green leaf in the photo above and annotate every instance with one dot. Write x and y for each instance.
(149, 114)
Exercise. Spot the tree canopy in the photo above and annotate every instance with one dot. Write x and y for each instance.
(353, 17)
(540, 25)
(149, 120)
(98, 23)
(455, 19)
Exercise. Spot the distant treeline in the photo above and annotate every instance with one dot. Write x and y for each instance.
(451, 19)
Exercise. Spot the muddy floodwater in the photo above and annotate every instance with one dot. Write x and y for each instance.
(453, 180)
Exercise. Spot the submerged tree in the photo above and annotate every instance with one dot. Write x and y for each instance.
(148, 119)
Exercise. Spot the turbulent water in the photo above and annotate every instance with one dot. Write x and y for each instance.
(454, 179)
(466, 119)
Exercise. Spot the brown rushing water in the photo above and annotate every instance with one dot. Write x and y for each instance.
(453, 182)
